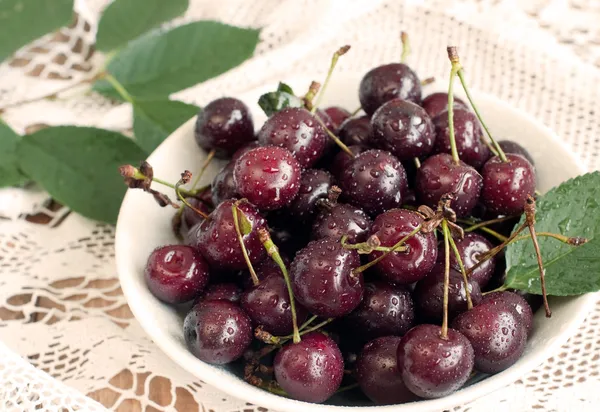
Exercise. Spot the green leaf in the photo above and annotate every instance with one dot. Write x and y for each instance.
(157, 65)
(125, 20)
(245, 224)
(283, 97)
(155, 120)
(22, 21)
(10, 175)
(78, 167)
(571, 209)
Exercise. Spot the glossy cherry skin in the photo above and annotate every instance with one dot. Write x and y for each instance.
(268, 305)
(496, 333)
(432, 367)
(337, 115)
(322, 278)
(224, 125)
(403, 267)
(429, 294)
(356, 131)
(296, 130)
(269, 177)
(375, 181)
(378, 375)
(437, 103)
(314, 185)
(508, 146)
(227, 291)
(386, 309)
(342, 160)
(470, 248)
(517, 302)
(217, 241)
(404, 129)
(223, 185)
(439, 175)
(507, 185)
(387, 82)
(217, 331)
(342, 219)
(311, 370)
(467, 134)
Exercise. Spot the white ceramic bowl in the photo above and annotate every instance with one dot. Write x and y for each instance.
(143, 226)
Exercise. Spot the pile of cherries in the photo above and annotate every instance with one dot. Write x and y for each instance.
(319, 254)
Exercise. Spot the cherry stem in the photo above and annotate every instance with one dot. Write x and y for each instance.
(405, 46)
(497, 235)
(310, 95)
(444, 332)
(355, 112)
(343, 50)
(573, 241)
(485, 223)
(347, 388)
(498, 289)
(273, 253)
(281, 340)
(417, 162)
(209, 158)
(394, 248)
(138, 175)
(308, 322)
(460, 264)
(457, 68)
(370, 246)
(186, 203)
(236, 224)
(454, 151)
(427, 81)
(334, 137)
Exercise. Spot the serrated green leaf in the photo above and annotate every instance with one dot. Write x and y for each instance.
(78, 167)
(10, 175)
(571, 209)
(155, 120)
(125, 20)
(159, 64)
(22, 21)
(283, 97)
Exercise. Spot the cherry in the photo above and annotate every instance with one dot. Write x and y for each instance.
(297, 130)
(508, 146)
(289, 235)
(314, 185)
(404, 129)
(176, 273)
(470, 248)
(227, 291)
(387, 82)
(437, 103)
(217, 331)
(385, 310)
(429, 294)
(507, 185)
(497, 334)
(431, 366)
(375, 181)
(378, 375)
(269, 177)
(223, 185)
(217, 241)
(467, 132)
(268, 305)
(243, 150)
(311, 370)
(224, 125)
(517, 302)
(322, 278)
(337, 115)
(403, 267)
(342, 159)
(340, 219)
(439, 175)
(356, 131)
(190, 217)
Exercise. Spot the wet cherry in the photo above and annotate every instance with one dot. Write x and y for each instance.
(470, 248)
(337, 115)
(336, 220)
(356, 131)
(227, 291)
(223, 185)
(508, 146)
(437, 103)
(342, 159)
(387, 82)
(517, 302)
(314, 185)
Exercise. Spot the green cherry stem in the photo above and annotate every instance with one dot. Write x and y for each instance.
(135, 173)
(460, 263)
(405, 46)
(444, 332)
(308, 322)
(484, 223)
(355, 112)
(186, 203)
(334, 137)
(236, 224)
(209, 158)
(343, 50)
(454, 151)
(530, 223)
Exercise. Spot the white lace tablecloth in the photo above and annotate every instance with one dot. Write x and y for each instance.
(61, 308)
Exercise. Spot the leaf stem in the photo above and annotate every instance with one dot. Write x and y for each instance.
(405, 46)
(460, 264)
(209, 158)
(342, 50)
(119, 88)
(444, 332)
(236, 224)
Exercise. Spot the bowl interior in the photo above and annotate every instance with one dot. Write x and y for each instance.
(138, 233)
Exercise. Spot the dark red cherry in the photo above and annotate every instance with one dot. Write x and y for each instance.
(296, 130)
(244, 149)
(497, 334)
(227, 291)
(340, 219)
(217, 331)
(432, 367)
(224, 125)
(517, 302)
(387, 82)
(217, 241)
(269, 177)
(467, 134)
(378, 375)
(176, 273)
(314, 185)
(374, 181)
(342, 159)
(439, 175)
(386, 309)
(404, 129)
(288, 234)
(356, 131)
(403, 267)
(337, 115)
(437, 103)
(311, 370)
(223, 186)
(470, 248)
(508, 146)
(323, 281)
(507, 185)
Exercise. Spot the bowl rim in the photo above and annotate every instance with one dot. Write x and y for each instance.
(238, 388)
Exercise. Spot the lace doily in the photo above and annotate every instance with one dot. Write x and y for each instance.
(61, 307)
